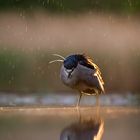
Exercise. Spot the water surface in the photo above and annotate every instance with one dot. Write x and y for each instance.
(108, 123)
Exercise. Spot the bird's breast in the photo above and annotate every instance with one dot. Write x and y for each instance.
(76, 80)
(71, 80)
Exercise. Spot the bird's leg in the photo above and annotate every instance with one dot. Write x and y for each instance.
(79, 99)
(77, 106)
(97, 100)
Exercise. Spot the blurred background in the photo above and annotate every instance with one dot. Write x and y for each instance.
(31, 31)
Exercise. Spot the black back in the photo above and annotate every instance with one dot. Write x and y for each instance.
(72, 61)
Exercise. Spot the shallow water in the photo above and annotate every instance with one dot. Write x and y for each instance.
(116, 123)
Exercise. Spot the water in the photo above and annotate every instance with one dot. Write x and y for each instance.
(107, 123)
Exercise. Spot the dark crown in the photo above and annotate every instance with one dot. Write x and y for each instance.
(72, 61)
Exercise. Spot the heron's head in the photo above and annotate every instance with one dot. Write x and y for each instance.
(71, 61)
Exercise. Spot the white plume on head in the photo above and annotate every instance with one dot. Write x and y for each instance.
(59, 56)
(57, 60)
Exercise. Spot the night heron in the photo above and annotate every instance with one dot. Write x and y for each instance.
(79, 72)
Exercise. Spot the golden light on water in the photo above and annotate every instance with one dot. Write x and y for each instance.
(100, 132)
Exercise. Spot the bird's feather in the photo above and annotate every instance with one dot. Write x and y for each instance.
(88, 62)
(98, 74)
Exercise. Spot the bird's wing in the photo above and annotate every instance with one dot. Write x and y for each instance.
(88, 62)
(97, 73)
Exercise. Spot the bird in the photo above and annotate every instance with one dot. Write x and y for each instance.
(78, 71)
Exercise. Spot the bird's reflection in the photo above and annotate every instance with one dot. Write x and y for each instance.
(84, 129)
